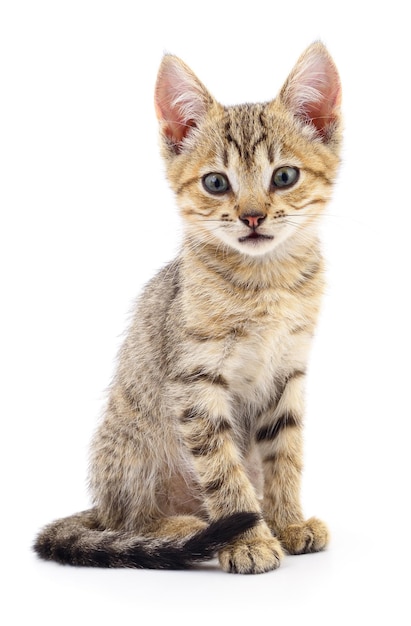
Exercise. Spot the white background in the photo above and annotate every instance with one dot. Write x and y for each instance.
(87, 218)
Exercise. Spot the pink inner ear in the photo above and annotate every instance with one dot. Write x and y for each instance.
(179, 100)
(324, 110)
(313, 91)
(176, 131)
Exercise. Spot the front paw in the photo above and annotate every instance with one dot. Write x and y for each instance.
(302, 538)
(256, 552)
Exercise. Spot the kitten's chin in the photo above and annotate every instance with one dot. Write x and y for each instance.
(256, 245)
(255, 238)
(250, 244)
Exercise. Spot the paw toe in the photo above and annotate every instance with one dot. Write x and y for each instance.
(309, 536)
(252, 557)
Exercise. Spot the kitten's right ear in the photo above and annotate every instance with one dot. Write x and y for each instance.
(181, 101)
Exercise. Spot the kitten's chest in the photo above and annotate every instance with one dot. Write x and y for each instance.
(248, 335)
(256, 343)
(258, 356)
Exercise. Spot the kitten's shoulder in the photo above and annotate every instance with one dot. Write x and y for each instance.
(146, 333)
(160, 291)
(167, 278)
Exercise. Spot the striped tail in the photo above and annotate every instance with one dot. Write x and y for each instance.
(77, 540)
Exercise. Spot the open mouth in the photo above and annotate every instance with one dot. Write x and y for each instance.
(255, 237)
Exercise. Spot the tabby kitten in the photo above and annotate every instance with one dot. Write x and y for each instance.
(200, 448)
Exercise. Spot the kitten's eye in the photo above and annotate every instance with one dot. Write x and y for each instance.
(216, 183)
(285, 177)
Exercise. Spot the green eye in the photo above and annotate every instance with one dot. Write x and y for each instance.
(285, 177)
(216, 183)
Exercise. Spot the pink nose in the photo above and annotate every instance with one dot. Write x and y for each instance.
(252, 220)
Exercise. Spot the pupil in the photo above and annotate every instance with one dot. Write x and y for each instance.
(284, 177)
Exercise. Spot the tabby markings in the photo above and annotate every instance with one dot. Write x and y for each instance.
(202, 376)
(246, 151)
(202, 433)
(187, 183)
(282, 383)
(214, 485)
(209, 441)
(306, 276)
(319, 174)
(308, 203)
(269, 433)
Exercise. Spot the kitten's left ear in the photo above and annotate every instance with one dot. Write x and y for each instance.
(181, 100)
(312, 92)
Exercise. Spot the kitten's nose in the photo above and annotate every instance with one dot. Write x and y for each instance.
(253, 219)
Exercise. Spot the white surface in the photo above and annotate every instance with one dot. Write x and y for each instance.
(87, 218)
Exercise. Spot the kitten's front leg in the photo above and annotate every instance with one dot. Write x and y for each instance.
(279, 437)
(208, 434)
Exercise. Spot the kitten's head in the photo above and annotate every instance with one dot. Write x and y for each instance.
(251, 176)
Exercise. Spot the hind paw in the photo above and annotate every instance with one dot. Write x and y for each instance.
(252, 554)
(309, 536)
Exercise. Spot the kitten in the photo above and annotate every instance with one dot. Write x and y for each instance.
(200, 449)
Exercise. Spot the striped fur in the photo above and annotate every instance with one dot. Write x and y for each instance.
(200, 447)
